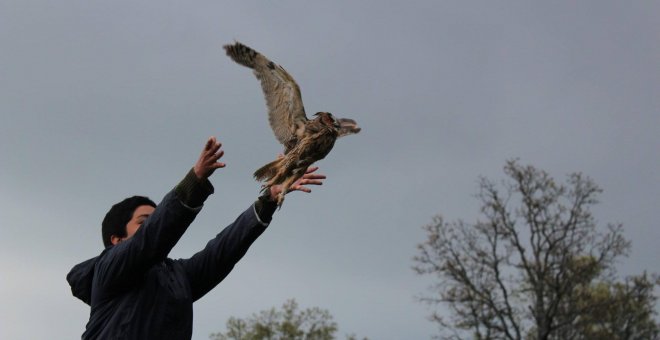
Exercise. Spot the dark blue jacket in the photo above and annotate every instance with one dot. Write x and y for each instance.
(136, 292)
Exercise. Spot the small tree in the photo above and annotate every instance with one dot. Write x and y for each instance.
(527, 270)
(628, 312)
(287, 323)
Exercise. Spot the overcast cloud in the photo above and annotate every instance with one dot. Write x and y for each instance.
(105, 99)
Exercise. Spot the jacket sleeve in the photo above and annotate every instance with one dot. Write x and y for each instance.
(127, 261)
(212, 264)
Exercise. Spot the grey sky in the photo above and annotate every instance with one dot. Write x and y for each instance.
(101, 100)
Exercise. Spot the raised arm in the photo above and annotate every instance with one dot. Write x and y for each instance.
(212, 264)
(133, 255)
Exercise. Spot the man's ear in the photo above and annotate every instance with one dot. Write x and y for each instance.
(114, 239)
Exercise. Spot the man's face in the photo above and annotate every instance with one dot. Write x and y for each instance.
(139, 216)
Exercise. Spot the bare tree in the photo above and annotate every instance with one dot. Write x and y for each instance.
(522, 271)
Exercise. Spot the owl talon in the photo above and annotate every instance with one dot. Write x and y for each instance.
(280, 200)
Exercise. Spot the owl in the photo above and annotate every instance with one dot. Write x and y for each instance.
(305, 140)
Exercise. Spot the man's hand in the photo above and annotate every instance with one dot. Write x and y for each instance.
(309, 178)
(208, 160)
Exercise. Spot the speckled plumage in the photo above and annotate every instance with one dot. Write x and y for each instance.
(305, 141)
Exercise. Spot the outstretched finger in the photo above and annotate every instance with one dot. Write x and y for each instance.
(217, 155)
(300, 188)
(209, 143)
(211, 147)
(311, 169)
(314, 176)
(214, 148)
(305, 181)
(314, 182)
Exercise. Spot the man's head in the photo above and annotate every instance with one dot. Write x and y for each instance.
(125, 218)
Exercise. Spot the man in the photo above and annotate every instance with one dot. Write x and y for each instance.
(134, 290)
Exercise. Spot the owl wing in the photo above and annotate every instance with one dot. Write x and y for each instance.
(286, 113)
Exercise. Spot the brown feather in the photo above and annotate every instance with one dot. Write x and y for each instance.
(286, 113)
(305, 141)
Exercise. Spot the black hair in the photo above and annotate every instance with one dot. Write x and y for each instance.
(119, 215)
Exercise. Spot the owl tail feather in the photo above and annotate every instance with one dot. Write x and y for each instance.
(267, 171)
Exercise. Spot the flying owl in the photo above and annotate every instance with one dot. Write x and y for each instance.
(305, 141)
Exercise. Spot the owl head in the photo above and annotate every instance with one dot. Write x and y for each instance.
(344, 126)
(327, 119)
